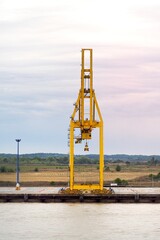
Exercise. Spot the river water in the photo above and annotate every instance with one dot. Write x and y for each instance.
(64, 221)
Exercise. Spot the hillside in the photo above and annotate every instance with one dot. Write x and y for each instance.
(59, 158)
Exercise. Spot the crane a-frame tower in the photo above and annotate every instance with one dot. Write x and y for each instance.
(85, 124)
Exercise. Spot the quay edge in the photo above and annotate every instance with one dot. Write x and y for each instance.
(79, 198)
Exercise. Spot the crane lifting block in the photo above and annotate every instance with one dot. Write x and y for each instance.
(86, 136)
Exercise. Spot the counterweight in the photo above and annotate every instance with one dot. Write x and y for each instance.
(83, 118)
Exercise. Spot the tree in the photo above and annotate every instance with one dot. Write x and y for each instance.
(153, 161)
(121, 182)
(118, 168)
(3, 169)
(118, 181)
(128, 163)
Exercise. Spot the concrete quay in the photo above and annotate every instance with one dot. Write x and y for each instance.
(52, 195)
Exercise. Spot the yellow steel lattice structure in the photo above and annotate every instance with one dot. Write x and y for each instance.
(86, 124)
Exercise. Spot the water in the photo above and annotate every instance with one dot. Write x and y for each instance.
(62, 221)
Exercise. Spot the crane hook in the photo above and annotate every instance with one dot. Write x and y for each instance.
(86, 148)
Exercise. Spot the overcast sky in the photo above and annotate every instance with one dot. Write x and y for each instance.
(40, 54)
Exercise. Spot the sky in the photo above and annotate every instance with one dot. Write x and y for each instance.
(40, 57)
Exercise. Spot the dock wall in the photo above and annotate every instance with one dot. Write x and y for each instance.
(80, 198)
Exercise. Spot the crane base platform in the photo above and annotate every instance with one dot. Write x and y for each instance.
(85, 191)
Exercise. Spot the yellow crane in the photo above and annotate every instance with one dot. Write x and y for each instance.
(86, 97)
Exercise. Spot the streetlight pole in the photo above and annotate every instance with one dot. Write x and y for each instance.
(17, 166)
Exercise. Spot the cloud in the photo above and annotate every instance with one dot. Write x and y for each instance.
(40, 68)
(130, 85)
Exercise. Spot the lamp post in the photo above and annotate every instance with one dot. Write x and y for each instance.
(17, 166)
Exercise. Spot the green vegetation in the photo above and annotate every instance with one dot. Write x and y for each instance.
(4, 169)
(52, 183)
(121, 182)
(153, 162)
(63, 159)
(155, 177)
(113, 163)
(118, 168)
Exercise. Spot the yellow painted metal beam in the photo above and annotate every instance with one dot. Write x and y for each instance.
(71, 160)
(87, 186)
(85, 125)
